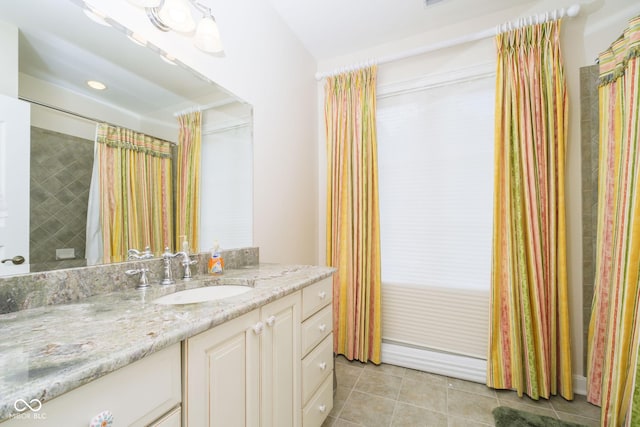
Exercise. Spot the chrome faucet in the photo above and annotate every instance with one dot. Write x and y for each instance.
(186, 262)
(144, 281)
(136, 254)
(166, 266)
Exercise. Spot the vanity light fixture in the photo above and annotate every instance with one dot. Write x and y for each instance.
(168, 59)
(177, 15)
(137, 39)
(94, 84)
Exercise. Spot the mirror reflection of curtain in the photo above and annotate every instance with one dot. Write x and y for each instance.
(188, 180)
(130, 200)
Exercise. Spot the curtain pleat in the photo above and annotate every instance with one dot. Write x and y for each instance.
(613, 341)
(353, 223)
(529, 348)
(135, 191)
(188, 180)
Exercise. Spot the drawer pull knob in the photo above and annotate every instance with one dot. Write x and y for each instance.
(323, 366)
(322, 408)
(322, 295)
(322, 327)
(271, 320)
(257, 328)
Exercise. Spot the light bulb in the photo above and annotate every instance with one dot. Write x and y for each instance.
(177, 15)
(146, 3)
(207, 37)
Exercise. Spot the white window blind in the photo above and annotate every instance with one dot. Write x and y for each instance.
(435, 146)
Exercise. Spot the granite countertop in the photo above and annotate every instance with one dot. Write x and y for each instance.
(47, 351)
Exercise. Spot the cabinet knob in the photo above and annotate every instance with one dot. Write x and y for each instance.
(322, 295)
(323, 366)
(322, 327)
(257, 328)
(103, 419)
(271, 320)
(322, 408)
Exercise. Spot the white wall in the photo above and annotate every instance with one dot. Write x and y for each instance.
(269, 68)
(600, 22)
(9, 64)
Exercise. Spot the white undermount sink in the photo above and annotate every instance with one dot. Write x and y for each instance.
(207, 293)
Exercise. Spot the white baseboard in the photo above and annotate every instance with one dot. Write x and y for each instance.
(451, 365)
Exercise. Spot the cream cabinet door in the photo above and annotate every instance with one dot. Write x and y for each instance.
(280, 363)
(222, 374)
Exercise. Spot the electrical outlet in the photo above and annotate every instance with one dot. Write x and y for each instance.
(65, 253)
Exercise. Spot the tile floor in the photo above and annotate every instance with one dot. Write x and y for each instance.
(392, 396)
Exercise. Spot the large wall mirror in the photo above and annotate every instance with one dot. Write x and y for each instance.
(60, 49)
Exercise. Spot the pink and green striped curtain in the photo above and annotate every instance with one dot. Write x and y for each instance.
(135, 191)
(188, 180)
(612, 365)
(529, 347)
(353, 221)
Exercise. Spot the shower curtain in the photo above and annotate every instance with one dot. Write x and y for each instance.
(612, 365)
(130, 198)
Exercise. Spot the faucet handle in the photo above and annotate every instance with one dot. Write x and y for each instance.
(144, 280)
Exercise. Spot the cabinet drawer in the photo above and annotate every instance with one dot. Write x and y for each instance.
(317, 410)
(316, 328)
(136, 395)
(316, 367)
(316, 296)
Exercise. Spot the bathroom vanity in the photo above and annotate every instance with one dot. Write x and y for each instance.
(263, 357)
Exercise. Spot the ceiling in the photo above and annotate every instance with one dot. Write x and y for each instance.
(71, 49)
(331, 28)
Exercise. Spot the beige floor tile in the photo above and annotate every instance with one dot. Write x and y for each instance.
(470, 406)
(368, 410)
(347, 375)
(572, 418)
(470, 387)
(384, 368)
(380, 384)
(406, 415)
(344, 423)
(424, 394)
(465, 422)
(342, 393)
(578, 406)
(434, 379)
(355, 363)
(329, 421)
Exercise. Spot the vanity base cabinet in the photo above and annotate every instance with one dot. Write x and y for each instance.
(222, 375)
(246, 372)
(139, 394)
(317, 352)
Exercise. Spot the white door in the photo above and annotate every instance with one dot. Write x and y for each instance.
(14, 185)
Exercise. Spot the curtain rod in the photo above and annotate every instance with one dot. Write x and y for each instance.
(81, 116)
(205, 107)
(553, 15)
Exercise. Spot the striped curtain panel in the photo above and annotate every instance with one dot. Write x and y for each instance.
(615, 323)
(188, 180)
(135, 179)
(529, 342)
(353, 222)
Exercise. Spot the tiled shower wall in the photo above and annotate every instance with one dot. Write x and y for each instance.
(60, 177)
(589, 136)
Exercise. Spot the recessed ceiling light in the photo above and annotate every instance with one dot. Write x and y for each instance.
(94, 84)
(137, 39)
(95, 16)
(168, 59)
